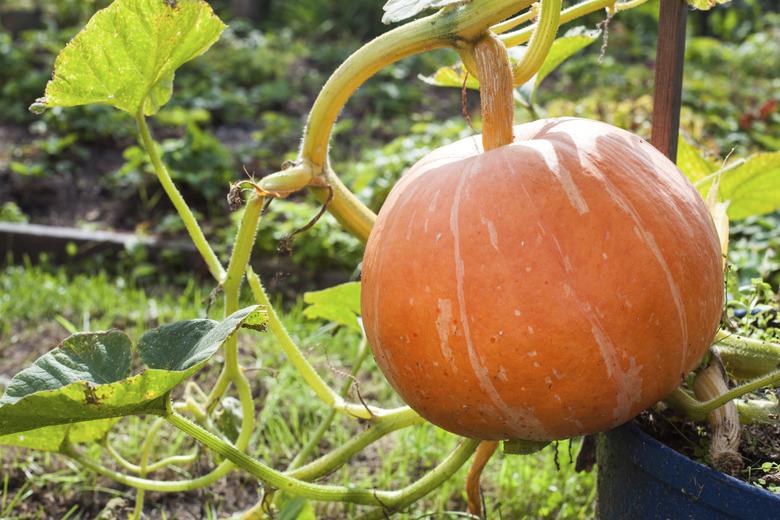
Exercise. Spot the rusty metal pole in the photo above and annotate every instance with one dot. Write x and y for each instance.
(667, 96)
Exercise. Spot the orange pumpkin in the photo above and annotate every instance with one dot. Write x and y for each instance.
(546, 289)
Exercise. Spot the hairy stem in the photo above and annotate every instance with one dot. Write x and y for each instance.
(143, 467)
(511, 23)
(329, 396)
(398, 500)
(185, 213)
(314, 441)
(447, 28)
(338, 457)
(698, 410)
(161, 486)
(258, 510)
(758, 411)
(512, 39)
(174, 460)
(541, 41)
(348, 210)
(327, 493)
(239, 261)
(744, 357)
(442, 29)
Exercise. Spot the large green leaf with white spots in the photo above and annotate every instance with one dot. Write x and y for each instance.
(87, 379)
(127, 54)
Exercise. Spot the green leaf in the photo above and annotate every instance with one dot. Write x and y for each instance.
(229, 417)
(128, 53)
(86, 378)
(399, 10)
(93, 358)
(706, 5)
(692, 163)
(296, 508)
(50, 438)
(521, 447)
(753, 187)
(183, 345)
(451, 77)
(340, 304)
(562, 49)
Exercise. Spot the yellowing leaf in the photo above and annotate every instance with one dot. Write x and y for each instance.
(50, 438)
(752, 185)
(127, 54)
(451, 77)
(693, 164)
(706, 5)
(718, 210)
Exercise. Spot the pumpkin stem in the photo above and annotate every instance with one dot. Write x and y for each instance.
(485, 450)
(495, 90)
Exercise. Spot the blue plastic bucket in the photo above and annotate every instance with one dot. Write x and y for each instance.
(641, 478)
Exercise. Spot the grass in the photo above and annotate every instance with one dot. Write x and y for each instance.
(37, 305)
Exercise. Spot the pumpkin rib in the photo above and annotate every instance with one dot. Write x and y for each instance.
(510, 416)
(613, 369)
(545, 289)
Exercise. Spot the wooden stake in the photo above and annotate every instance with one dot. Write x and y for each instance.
(667, 97)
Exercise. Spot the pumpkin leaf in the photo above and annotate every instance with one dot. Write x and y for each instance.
(706, 5)
(751, 186)
(229, 417)
(563, 48)
(87, 378)
(719, 212)
(50, 438)
(399, 10)
(692, 163)
(521, 447)
(127, 54)
(339, 304)
(452, 76)
(183, 345)
(297, 508)
(92, 358)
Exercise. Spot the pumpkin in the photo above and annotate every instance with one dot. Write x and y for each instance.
(549, 288)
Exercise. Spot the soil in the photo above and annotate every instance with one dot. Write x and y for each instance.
(759, 443)
(52, 199)
(232, 494)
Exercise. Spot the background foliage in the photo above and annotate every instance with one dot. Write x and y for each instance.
(242, 106)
